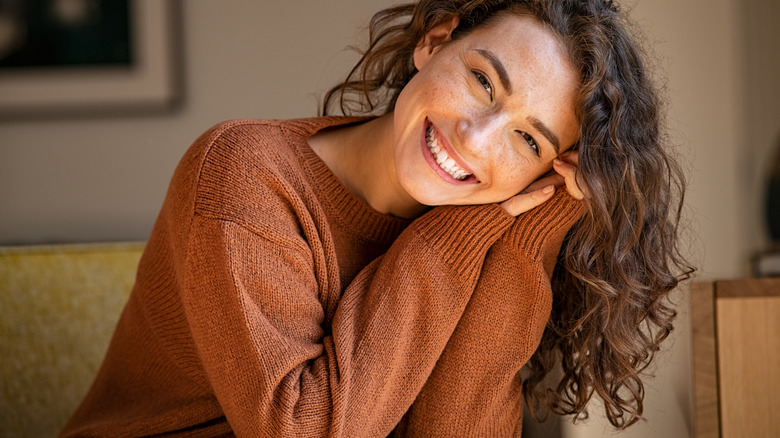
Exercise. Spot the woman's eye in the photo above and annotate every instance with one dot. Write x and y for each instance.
(484, 82)
(531, 142)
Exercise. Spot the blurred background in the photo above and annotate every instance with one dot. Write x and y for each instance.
(94, 166)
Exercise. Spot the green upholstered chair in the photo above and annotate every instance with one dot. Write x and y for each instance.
(58, 308)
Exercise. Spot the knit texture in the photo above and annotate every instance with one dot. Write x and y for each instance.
(270, 301)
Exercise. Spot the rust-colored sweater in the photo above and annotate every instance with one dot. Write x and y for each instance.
(270, 301)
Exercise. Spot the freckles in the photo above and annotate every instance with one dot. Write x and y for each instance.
(514, 170)
(452, 95)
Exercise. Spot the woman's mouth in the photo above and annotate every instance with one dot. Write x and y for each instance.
(442, 159)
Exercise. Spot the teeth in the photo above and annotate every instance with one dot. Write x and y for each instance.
(449, 165)
(446, 163)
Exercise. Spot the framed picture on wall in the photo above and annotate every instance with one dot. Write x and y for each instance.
(87, 56)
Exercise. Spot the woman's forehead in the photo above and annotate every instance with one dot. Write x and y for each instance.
(517, 32)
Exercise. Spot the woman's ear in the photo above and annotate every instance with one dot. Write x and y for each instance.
(433, 41)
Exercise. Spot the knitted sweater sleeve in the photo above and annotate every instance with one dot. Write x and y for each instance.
(475, 389)
(252, 292)
(256, 319)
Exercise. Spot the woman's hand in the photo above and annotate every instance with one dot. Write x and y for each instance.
(528, 199)
(564, 173)
(566, 166)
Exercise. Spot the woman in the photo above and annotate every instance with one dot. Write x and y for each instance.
(368, 276)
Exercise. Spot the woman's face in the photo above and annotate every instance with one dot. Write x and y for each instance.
(485, 115)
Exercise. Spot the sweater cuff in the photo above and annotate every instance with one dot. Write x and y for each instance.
(544, 228)
(462, 235)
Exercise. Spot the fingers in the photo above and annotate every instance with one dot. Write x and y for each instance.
(568, 171)
(549, 178)
(523, 202)
(564, 173)
(571, 157)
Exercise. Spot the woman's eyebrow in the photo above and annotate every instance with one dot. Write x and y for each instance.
(498, 66)
(546, 132)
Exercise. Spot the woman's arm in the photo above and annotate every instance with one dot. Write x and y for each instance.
(256, 317)
(475, 388)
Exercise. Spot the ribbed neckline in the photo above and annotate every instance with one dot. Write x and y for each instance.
(353, 212)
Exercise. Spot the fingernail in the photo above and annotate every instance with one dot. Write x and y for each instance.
(547, 190)
(557, 162)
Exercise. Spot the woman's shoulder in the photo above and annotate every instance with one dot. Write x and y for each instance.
(275, 129)
(237, 152)
(242, 136)
(267, 140)
(238, 166)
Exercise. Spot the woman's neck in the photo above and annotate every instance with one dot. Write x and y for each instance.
(361, 156)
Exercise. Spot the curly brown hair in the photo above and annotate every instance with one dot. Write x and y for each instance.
(620, 261)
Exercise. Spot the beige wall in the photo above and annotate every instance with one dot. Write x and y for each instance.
(96, 179)
(104, 179)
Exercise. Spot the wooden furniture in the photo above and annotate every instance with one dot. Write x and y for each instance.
(736, 355)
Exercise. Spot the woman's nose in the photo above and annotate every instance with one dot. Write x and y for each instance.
(462, 129)
(477, 133)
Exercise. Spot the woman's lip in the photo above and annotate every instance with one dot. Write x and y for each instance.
(428, 155)
(450, 151)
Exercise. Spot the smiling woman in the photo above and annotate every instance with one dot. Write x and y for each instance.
(461, 135)
(500, 203)
(478, 119)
